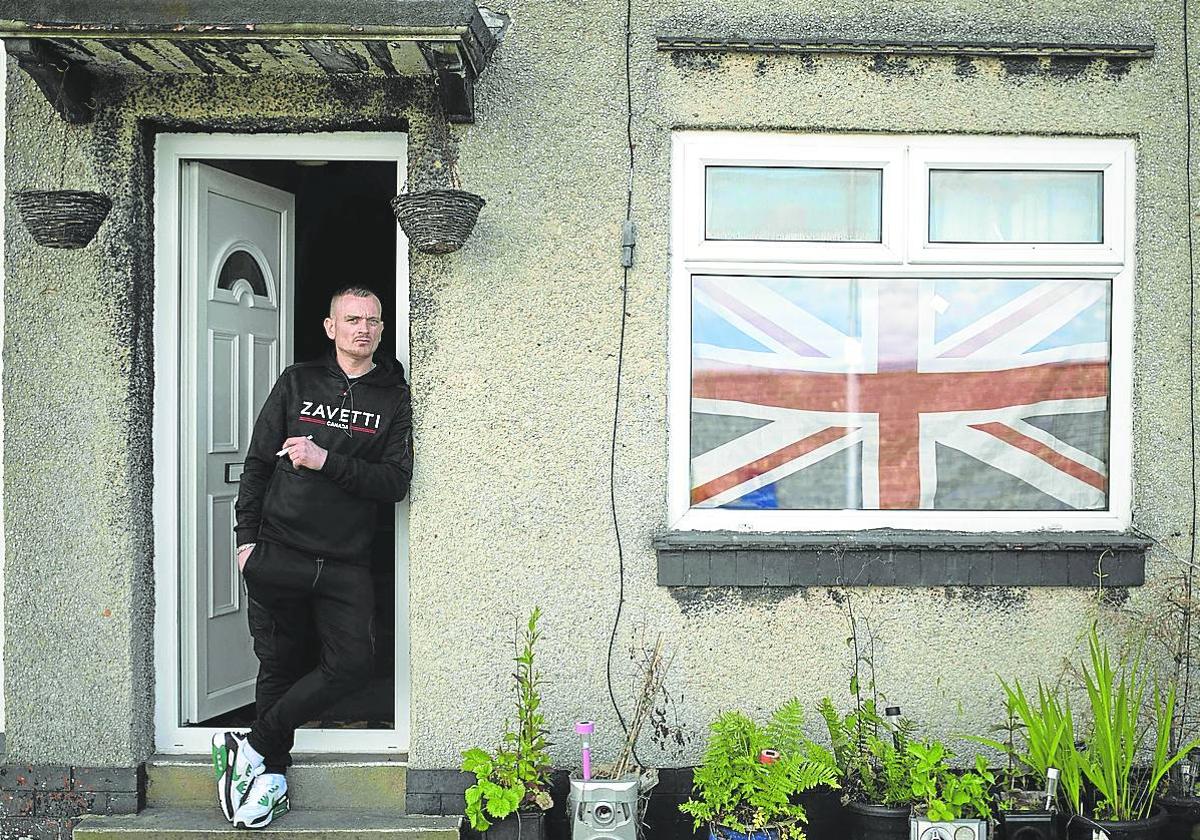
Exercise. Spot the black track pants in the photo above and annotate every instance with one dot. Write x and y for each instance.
(313, 626)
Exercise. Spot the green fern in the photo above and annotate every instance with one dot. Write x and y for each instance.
(870, 753)
(733, 788)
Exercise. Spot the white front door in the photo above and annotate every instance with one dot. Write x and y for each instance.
(238, 239)
(186, 466)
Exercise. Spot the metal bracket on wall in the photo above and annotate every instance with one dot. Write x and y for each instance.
(67, 85)
(453, 80)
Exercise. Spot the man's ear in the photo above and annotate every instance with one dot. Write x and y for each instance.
(329, 327)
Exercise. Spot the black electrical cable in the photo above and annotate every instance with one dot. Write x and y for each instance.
(1191, 568)
(612, 464)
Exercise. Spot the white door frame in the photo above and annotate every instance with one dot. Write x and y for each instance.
(170, 151)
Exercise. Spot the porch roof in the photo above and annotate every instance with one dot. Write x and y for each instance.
(63, 43)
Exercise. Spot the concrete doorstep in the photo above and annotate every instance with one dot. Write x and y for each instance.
(302, 824)
(370, 784)
(337, 797)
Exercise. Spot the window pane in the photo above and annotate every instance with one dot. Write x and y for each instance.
(899, 394)
(793, 204)
(1011, 206)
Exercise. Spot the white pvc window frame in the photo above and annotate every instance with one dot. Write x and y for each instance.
(171, 150)
(905, 252)
(1114, 159)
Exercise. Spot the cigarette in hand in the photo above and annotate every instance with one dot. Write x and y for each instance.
(284, 451)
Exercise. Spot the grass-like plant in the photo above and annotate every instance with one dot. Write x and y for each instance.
(1048, 733)
(734, 789)
(1117, 745)
(1124, 756)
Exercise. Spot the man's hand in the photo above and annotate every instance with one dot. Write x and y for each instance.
(243, 554)
(304, 453)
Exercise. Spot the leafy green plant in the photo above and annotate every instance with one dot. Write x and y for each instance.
(943, 794)
(517, 776)
(1014, 772)
(734, 789)
(871, 753)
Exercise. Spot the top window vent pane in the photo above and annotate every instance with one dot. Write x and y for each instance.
(1032, 206)
(793, 204)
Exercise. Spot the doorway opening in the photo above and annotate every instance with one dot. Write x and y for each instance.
(253, 235)
(345, 233)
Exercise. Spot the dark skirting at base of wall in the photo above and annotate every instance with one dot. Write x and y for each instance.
(441, 792)
(44, 802)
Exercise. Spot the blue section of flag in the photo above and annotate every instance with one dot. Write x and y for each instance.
(710, 328)
(970, 300)
(836, 302)
(1088, 327)
(761, 499)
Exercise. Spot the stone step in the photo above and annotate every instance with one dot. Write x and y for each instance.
(299, 824)
(371, 783)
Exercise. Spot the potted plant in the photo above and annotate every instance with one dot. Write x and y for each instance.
(616, 796)
(1110, 778)
(512, 785)
(1169, 627)
(1181, 799)
(874, 767)
(1120, 697)
(950, 804)
(1166, 619)
(1027, 799)
(61, 218)
(746, 787)
(870, 748)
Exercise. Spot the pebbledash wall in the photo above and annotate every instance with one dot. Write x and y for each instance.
(79, 680)
(515, 344)
(514, 360)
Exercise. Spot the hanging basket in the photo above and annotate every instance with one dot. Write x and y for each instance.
(62, 218)
(437, 221)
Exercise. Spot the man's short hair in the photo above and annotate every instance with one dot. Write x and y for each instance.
(353, 291)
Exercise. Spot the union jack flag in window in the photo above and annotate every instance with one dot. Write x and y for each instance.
(895, 394)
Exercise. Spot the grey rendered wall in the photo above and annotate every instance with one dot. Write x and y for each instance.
(514, 360)
(78, 388)
(515, 341)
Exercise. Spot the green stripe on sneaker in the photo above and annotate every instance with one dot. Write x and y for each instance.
(219, 759)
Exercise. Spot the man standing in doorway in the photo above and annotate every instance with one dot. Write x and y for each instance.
(333, 441)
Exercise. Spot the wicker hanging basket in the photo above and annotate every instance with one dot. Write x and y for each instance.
(62, 218)
(437, 221)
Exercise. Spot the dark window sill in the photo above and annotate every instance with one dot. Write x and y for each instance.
(901, 558)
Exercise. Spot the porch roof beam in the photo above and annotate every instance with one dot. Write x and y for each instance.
(451, 41)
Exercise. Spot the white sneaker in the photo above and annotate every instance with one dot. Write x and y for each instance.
(234, 771)
(268, 799)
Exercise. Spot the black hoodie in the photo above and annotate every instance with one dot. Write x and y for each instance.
(366, 426)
